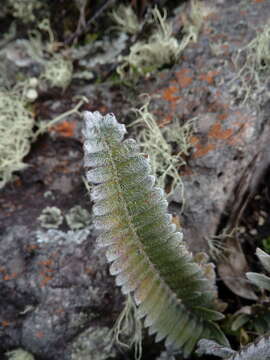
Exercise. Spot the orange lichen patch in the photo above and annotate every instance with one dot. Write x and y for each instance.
(59, 311)
(209, 77)
(258, 1)
(46, 271)
(45, 280)
(217, 132)
(89, 270)
(10, 277)
(165, 121)
(223, 116)
(183, 77)
(103, 109)
(47, 262)
(217, 107)
(176, 220)
(65, 129)
(212, 16)
(219, 36)
(194, 140)
(186, 172)
(39, 334)
(201, 150)
(31, 247)
(168, 93)
(18, 182)
(239, 135)
(5, 323)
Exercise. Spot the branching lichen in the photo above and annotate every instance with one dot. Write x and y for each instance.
(57, 68)
(159, 143)
(127, 330)
(16, 131)
(126, 19)
(160, 49)
(254, 63)
(25, 9)
(19, 354)
(58, 71)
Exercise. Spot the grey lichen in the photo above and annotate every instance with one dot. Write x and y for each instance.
(253, 60)
(19, 354)
(53, 236)
(128, 328)
(58, 71)
(159, 49)
(98, 52)
(158, 143)
(126, 19)
(95, 344)
(25, 9)
(51, 217)
(16, 124)
(78, 218)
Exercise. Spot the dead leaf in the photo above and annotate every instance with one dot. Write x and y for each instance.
(233, 270)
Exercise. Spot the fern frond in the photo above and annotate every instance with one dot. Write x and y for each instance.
(148, 256)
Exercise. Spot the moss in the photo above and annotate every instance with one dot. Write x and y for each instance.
(51, 217)
(95, 344)
(19, 354)
(78, 218)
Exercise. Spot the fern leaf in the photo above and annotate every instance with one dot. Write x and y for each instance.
(148, 256)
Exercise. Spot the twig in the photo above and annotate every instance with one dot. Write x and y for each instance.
(87, 27)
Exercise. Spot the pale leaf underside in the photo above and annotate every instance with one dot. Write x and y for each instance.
(148, 256)
(258, 350)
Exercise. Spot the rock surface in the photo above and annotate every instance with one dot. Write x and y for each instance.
(53, 290)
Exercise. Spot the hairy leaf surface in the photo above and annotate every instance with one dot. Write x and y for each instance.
(258, 350)
(148, 256)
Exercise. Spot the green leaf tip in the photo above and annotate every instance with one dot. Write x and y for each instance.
(147, 254)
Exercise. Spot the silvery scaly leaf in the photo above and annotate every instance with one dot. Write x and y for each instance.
(264, 259)
(260, 280)
(258, 350)
(210, 347)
